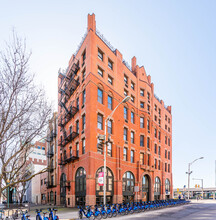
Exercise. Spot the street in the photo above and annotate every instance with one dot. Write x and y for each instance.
(197, 210)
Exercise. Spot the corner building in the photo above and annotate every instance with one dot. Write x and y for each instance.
(140, 131)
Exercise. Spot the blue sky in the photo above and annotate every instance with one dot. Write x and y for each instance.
(174, 40)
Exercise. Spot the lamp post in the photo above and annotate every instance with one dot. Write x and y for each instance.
(127, 98)
(202, 185)
(8, 181)
(189, 173)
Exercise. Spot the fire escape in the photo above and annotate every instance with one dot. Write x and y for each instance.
(66, 89)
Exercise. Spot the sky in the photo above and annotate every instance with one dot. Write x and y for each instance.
(174, 40)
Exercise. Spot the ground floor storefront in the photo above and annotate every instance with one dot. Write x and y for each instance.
(127, 186)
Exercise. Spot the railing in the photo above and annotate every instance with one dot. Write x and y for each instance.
(101, 36)
(69, 157)
(159, 100)
(79, 46)
(50, 168)
(50, 153)
(50, 184)
(127, 65)
(67, 139)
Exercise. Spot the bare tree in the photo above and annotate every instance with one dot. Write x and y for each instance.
(24, 112)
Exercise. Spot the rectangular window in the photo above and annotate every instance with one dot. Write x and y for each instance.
(169, 168)
(109, 149)
(155, 118)
(110, 102)
(100, 96)
(149, 108)
(142, 140)
(77, 149)
(141, 104)
(109, 126)
(125, 134)
(125, 92)
(155, 107)
(155, 163)
(83, 146)
(100, 71)
(83, 74)
(141, 158)
(132, 99)
(77, 126)
(148, 125)
(148, 143)
(41, 182)
(169, 155)
(158, 164)
(159, 111)
(77, 102)
(155, 149)
(83, 57)
(165, 167)
(125, 113)
(159, 135)
(142, 92)
(148, 95)
(110, 80)
(70, 129)
(100, 121)
(148, 160)
(132, 118)
(165, 117)
(141, 122)
(132, 137)
(132, 85)
(83, 96)
(169, 120)
(165, 139)
(168, 142)
(125, 154)
(159, 150)
(125, 79)
(110, 64)
(132, 156)
(155, 133)
(83, 122)
(165, 153)
(100, 55)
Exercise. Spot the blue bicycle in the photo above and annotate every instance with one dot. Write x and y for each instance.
(24, 215)
(87, 213)
(38, 216)
(52, 214)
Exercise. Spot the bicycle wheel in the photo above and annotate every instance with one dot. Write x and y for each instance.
(50, 217)
(114, 214)
(80, 215)
(104, 215)
(98, 216)
(110, 215)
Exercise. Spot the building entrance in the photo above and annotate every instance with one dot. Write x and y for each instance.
(62, 189)
(145, 188)
(109, 187)
(128, 183)
(80, 186)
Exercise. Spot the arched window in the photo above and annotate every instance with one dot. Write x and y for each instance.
(167, 185)
(128, 182)
(157, 185)
(62, 189)
(80, 186)
(145, 187)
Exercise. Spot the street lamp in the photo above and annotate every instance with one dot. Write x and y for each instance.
(189, 173)
(202, 185)
(127, 98)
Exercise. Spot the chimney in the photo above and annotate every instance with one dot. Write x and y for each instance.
(133, 63)
(91, 22)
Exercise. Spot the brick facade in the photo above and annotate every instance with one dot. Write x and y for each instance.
(97, 74)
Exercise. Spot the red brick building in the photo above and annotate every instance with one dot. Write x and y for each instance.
(140, 131)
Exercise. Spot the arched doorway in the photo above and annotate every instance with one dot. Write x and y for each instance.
(109, 187)
(167, 189)
(145, 188)
(80, 186)
(157, 188)
(62, 189)
(128, 183)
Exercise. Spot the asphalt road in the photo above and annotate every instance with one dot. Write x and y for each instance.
(206, 211)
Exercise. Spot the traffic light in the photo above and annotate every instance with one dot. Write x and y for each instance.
(195, 185)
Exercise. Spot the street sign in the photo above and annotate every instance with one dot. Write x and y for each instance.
(177, 189)
(101, 178)
(136, 189)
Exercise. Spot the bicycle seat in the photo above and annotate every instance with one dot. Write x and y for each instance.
(27, 216)
(44, 213)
